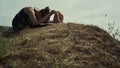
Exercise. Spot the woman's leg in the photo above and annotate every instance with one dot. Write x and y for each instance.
(60, 16)
(56, 18)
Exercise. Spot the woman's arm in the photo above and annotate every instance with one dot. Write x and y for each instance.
(47, 17)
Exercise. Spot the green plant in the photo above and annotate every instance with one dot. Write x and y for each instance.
(3, 46)
(15, 63)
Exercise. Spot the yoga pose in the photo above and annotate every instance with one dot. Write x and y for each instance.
(29, 17)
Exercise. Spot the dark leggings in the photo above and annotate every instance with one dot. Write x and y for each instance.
(20, 21)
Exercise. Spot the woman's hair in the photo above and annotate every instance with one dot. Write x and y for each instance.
(44, 11)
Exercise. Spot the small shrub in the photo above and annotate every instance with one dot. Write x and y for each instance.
(113, 30)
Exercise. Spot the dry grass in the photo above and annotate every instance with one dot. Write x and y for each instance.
(62, 46)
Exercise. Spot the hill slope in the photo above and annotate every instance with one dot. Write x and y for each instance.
(4, 28)
(61, 46)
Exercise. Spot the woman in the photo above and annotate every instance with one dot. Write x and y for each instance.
(29, 17)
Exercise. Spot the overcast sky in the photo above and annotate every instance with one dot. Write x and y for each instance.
(96, 12)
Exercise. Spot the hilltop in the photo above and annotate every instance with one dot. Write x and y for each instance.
(60, 46)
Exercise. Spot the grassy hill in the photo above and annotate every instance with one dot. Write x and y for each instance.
(59, 46)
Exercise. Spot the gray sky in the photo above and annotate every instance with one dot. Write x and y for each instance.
(79, 11)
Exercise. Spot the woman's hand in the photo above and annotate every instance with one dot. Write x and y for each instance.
(52, 12)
